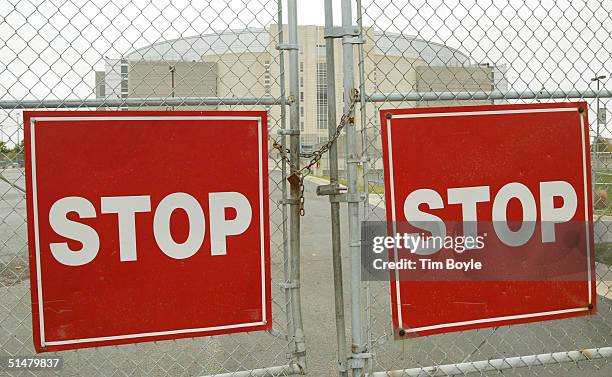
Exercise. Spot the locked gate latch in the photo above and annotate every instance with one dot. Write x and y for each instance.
(335, 192)
(331, 189)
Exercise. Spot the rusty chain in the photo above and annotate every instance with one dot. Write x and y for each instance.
(298, 174)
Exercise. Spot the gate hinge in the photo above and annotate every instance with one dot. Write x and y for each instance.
(348, 198)
(353, 41)
(342, 366)
(286, 285)
(289, 201)
(358, 360)
(341, 31)
(287, 46)
(288, 132)
(300, 348)
(357, 160)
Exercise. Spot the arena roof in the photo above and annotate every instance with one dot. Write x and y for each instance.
(257, 40)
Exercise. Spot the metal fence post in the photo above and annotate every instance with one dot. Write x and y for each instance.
(283, 139)
(365, 174)
(295, 187)
(352, 159)
(335, 205)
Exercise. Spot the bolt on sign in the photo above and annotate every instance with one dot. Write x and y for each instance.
(510, 184)
(146, 225)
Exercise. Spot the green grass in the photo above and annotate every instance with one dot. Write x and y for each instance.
(603, 253)
(372, 187)
(603, 181)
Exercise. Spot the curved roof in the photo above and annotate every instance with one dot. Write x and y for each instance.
(257, 40)
(395, 44)
(193, 48)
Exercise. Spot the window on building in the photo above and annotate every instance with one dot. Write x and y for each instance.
(301, 67)
(301, 82)
(321, 96)
(301, 96)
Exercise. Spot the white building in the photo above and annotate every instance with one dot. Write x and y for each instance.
(246, 63)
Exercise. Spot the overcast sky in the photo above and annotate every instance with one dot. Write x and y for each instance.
(49, 48)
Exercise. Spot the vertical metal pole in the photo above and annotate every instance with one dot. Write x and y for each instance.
(172, 70)
(597, 144)
(295, 186)
(366, 173)
(335, 205)
(598, 134)
(283, 120)
(351, 161)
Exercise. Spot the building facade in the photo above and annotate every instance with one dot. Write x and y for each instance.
(245, 63)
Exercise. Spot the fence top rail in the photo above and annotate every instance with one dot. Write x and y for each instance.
(482, 95)
(141, 102)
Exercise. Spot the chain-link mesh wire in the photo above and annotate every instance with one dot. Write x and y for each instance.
(114, 55)
(217, 54)
(449, 53)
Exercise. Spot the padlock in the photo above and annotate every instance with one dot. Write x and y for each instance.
(294, 179)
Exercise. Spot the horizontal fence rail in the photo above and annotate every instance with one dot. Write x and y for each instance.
(497, 95)
(501, 364)
(142, 102)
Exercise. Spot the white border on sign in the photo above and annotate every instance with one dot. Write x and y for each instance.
(41, 318)
(393, 215)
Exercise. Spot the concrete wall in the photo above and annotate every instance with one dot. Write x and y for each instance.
(453, 79)
(150, 79)
(113, 79)
(100, 86)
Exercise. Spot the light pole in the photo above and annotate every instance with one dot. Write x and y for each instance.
(172, 70)
(598, 78)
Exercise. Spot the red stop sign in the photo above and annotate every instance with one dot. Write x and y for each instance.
(146, 225)
(517, 177)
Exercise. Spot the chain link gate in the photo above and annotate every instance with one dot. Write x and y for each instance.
(233, 55)
(450, 53)
(108, 55)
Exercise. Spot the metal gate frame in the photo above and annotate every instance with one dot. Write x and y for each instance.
(356, 361)
(359, 361)
(290, 202)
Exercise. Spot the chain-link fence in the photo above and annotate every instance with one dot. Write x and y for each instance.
(163, 55)
(216, 55)
(451, 53)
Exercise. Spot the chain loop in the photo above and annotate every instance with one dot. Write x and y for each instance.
(316, 156)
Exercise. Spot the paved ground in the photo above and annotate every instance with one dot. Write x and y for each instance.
(231, 353)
